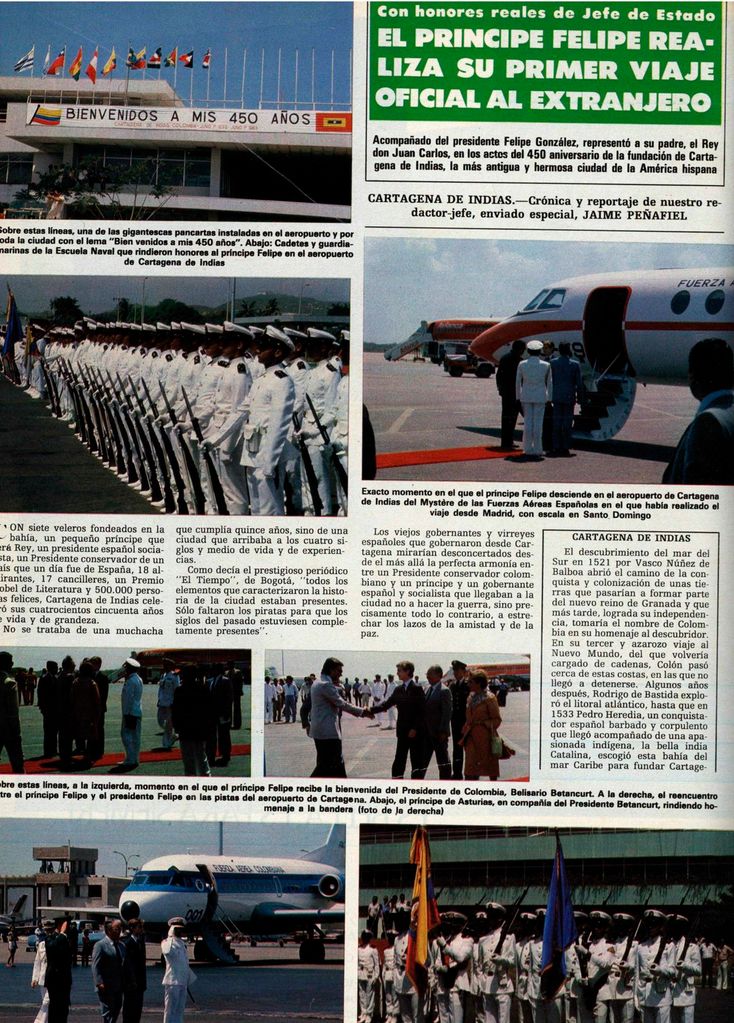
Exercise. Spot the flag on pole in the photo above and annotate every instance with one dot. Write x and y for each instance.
(47, 61)
(155, 59)
(424, 915)
(187, 59)
(206, 60)
(172, 57)
(58, 64)
(26, 62)
(91, 71)
(75, 68)
(111, 64)
(559, 931)
(136, 61)
(13, 328)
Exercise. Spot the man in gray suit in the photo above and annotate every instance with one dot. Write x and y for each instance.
(705, 452)
(438, 722)
(108, 958)
(327, 701)
(567, 393)
(533, 388)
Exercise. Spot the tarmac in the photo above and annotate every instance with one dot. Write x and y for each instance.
(369, 747)
(416, 407)
(44, 467)
(268, 985)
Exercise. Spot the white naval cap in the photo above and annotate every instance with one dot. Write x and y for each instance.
(291, 332)
(214, 328)
(195, 328)
(131, 662)
(281, 338)
(150, 327)
(320, 335)
(164, 326)
(534, 346)
(236, 328)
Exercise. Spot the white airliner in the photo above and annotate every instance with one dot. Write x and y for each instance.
(625, 328)
(220, 895)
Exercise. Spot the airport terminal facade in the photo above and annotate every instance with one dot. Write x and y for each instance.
(219, 164)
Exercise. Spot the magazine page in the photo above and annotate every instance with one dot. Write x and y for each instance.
(365, 519)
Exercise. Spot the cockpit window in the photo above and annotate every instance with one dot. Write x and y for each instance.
(680, 302)
(169, 878)
(548, 298)
(714, 302)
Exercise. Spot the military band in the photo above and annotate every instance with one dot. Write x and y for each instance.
(216, 419)
(487, 969)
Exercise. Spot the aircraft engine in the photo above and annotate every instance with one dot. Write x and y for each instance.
(329, 886)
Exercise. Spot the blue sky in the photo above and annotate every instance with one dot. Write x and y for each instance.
(412, 279)
(140, 841)
(196, 26)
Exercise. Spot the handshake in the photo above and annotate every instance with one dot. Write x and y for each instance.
(367, 713)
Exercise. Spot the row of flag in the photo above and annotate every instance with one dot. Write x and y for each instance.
(135, 62)
(558, 934)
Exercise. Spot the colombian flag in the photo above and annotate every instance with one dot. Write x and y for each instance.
(424, 915)
(334, 122)
(48, 116)
(111, 64)
(75, 68)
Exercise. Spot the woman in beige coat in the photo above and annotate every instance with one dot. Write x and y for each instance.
(482, 721)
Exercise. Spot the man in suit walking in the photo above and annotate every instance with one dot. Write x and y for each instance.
(135, 979)
(57, 980)
(705, 452)
(108, 959)
(327, 702)
(438, 722)
(506, 379)
(411, 727)
(567, 393)
(533, 389)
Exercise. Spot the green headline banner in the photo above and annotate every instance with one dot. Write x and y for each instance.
(614, 63)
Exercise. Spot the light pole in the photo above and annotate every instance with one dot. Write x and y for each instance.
(126, 859)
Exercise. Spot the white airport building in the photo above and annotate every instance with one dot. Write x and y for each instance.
(217, 164)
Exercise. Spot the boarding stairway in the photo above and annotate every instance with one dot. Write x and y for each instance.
(606, 406)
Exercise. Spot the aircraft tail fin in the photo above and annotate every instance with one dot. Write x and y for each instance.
(333, 851)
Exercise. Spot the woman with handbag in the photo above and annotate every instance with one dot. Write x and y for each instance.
(481, 742)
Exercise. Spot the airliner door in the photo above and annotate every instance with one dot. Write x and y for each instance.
(603, 331)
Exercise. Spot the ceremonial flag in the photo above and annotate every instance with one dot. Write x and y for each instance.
(58, 64)
(13, 328)
(91, 71)
(424, 914)
(155, 59)
(560, 929)
(136, 61)
(172, 57)
(206, 60)
(187, 59)
(47, 116)
(26, 62)
(47, 61)
(111, 64)
(75, 68)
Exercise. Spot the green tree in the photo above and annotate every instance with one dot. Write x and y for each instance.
(65, 311)
(271, 307)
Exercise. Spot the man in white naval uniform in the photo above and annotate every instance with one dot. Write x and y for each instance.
(621, 979)
(321, 389)
(533, 388)
(168, 683)
(494, 964)
(655, 971)
(602, 957)
(452, 958)
(298, 369)
(368, 976)
(392, 1008)
(688, 962)
(131, 699)
(270, 408)
(411, 1005)
(543, 1010)
(178, 974)
(523, 941)
(340, 430)
(203, 405)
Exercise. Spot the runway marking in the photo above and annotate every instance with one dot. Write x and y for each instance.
(45, 765)
(401, 420)
(396, 459)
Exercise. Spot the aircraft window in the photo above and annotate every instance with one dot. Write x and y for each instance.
(680, 302)
(245, 883)
(554, 299)
(714, 302)
(536, 301)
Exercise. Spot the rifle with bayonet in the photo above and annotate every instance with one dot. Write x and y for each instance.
(192, 469)
(124, 432)
(137, 439)
(116, 450)
(214, 480)
(181, 506)
(51, 387)
(313, 483)
(510, 921)
(80, 425)
(154, 454)
(100, 444)
(341, 472)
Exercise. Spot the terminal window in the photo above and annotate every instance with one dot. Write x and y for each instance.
(176, 168)
(16, 168)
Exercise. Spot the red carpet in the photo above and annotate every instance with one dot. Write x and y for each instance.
(157, 756)
(396, 459)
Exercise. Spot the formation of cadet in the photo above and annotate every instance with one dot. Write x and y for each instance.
(204, 419)
(621, 969)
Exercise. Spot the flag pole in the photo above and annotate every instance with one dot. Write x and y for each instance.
(244, 69)
(191, 85)
(295, 83)
(224, 96)
(208, 76)
(277, 87)
(262, 77)
(331, 101)
(313, 77)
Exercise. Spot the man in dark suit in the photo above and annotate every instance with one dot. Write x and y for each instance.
(108, 960)
(58, 973)
(568, 390)
(459, 696)
(506, 379)
(411, 727)
(135, 979)
(438, 722)
(705, 452)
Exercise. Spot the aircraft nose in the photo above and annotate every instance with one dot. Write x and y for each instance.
(129, 910)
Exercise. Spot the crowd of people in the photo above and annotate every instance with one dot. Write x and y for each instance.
(197, 707)
(202, 419)
(622, 968)
(118, 970)
(457, 707)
